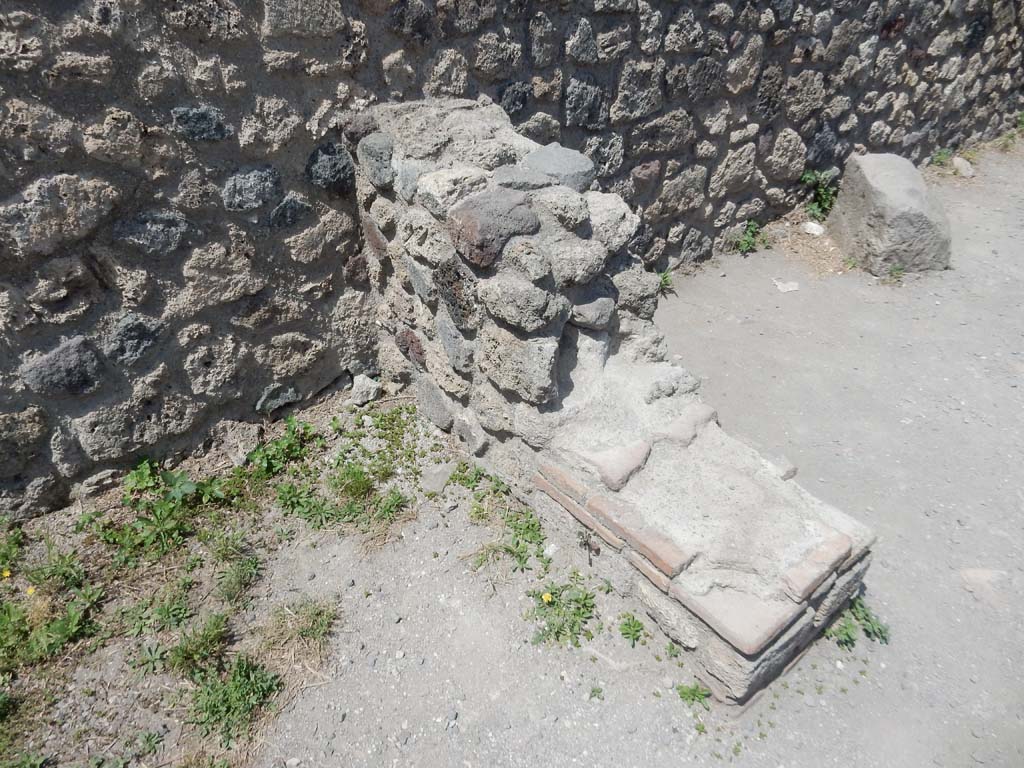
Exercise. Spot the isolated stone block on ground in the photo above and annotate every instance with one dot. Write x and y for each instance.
(887, 220)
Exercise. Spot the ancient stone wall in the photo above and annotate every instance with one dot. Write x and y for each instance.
(507, 282)
(182, 233)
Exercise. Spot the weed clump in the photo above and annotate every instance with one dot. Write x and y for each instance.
(823, 194)
(854, 620)
(751, 238)
(632, 629)
(563, 612)
(305, 625)
(941, 157)
(200, 647)
(694, 694)
(35, 629)
(665, 286)
(227, 704)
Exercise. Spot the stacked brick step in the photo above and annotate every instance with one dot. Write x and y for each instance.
(735, 563)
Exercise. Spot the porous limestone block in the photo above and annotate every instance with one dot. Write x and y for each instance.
(887, 220)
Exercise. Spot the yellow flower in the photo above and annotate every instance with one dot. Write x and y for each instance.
(7, 573)
(30, 591)
(546, 597)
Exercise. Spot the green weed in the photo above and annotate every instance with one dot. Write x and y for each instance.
(941, 157)
(823, 194)
(272, 458)
(870, 624)
(467, 476)
(165, 503)
(351, 480)
(563, 612)
(30, 632)
(237, 577)
(522, 535)
(148, 743)
(302, 501)
(32, 760)
(856, 619)
(694, 694)
(386, 510)
(12, 541)
(227, 545)
(665, 283)
(60, 571)
(896, 273)
(751, 239)
(199, 647)
(392, 447)
(522, 538)
(151, 659)
(8, 704)
(631, 628)
(168, 610)
(227, 704)
(843, 631)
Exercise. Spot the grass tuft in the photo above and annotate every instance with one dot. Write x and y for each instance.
(305, 625)
(226, 704)
(200, 647)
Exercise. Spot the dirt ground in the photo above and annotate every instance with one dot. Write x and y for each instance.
(903, 405)
(899, 403)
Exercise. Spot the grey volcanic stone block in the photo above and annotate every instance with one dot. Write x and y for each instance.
(72, 368)
(364, 390)
(585, 104)
(275, 397)
(566, 166)
(248, 190)
(204, 123)
(887, 219)
(130, 337)
(434, 405)
(458, 350)
(154, 232)
(374, 153)
(330, 167)
(481, 225)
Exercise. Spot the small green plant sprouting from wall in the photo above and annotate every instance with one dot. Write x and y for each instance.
(751, 239)
(942, 157)
(896, 274)
(665, 283)
(823, 194)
